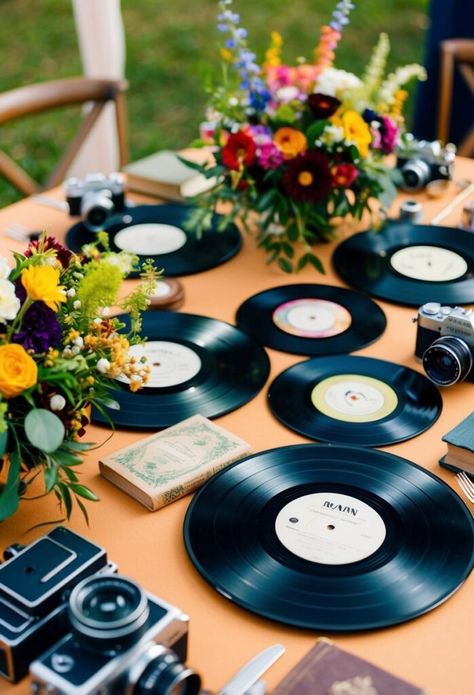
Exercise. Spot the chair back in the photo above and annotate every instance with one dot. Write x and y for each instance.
(456, 54)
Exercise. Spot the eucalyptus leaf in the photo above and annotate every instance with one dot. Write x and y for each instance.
(9, 495)
(3, 442)
(44, 430)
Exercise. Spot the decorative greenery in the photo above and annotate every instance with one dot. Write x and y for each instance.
(296, 149)
(59, 355)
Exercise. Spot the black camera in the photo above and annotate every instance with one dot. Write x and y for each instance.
(445, 343)
(420, 161)
(34, 586)
(95, 198)
(123, 641)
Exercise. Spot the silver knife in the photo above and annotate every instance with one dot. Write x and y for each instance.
(251, 672)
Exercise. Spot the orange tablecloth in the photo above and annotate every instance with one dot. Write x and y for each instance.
(434, 651)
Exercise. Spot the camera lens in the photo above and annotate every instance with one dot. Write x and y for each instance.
(160, 672)
(108, 612)
(416, 174)
(447, 361)
(97, 207)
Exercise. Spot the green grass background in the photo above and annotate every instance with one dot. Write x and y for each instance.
(172, 53)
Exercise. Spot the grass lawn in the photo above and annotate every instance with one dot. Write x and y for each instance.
(171, 55)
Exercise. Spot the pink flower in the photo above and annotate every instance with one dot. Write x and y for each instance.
(269, 156)
(389, 132)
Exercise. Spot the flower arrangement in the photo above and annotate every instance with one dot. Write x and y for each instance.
(298, 148)
(60, 353)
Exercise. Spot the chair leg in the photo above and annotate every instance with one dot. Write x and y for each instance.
(445, 93)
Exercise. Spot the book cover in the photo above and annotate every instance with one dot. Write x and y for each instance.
(452, 463)
(328, 670)
(174, 462)
(460, 449)
(164, 175)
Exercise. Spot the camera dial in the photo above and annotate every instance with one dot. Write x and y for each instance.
(108, 613)
(448, 360)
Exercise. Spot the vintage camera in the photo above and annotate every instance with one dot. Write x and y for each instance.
(123, 640)
(95, 198)
(445, 343)
(34, 584)
(420, 162)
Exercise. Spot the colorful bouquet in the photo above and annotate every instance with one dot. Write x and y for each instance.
(298, 148)
(60, 354)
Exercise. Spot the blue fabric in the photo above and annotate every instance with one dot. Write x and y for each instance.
(449, 19)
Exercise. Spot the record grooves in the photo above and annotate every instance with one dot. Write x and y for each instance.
(198, 365)
(181, 254)
(244, 537)
(409, 264)
(311, 319)
(354, 400)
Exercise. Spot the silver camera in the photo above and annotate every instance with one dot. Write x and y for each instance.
(445, 343)
(95, 198)
(420, 162)
(123, 641)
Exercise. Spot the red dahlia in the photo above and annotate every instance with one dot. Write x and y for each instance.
(239, 150)
(343, 175)
(308, 177)
(322, 105)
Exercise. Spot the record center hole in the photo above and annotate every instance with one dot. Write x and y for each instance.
(330, 527)
(156, 364)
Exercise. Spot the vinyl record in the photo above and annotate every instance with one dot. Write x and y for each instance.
(354, 400)
(410, 264)
(330, 538)
(158, 232)
(198, 365)
(312, 319)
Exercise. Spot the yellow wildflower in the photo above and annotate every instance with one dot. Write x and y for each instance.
(41, 283)
(357, 131)
(290, 142)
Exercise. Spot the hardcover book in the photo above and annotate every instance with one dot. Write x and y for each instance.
(460, 441)
(328, 670)
(164, 175)
(162, 468)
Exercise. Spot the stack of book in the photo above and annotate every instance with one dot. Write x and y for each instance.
(460, 441)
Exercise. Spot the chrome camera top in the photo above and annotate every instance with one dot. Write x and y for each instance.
(445, 343)
(420, 161)
(95, 198)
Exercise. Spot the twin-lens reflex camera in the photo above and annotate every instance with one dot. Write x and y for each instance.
(103, 634)
(445, 343)
(95, 198)
(419, 162)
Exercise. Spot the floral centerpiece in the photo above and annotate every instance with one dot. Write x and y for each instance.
(298, 148)
(60, 353)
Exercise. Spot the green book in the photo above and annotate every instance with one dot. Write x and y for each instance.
(460, 441)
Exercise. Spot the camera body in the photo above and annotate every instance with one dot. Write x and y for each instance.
(34, 586)
(123, 641)
(420, 162)
(445, 343)
(95, 198)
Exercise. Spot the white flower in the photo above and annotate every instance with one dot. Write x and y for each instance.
(336, 83)
(4, 268)
(332, 134)
(57, 402)
(77, 304)
(123, 260)
(103, 365)
(79, 341)
(287, 94)
(71, 292)
(9, 302)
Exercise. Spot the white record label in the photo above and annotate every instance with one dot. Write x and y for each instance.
(330, 528)
(150, 239)
(170, 363)
(429, 263)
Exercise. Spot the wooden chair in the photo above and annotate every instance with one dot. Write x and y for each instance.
(44, 96)
(455, 54)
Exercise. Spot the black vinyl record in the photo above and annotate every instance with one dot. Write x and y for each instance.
(330, 538)
(410, 264)
(158, 232)
(312, 319)
(199, 365)
(354, 400)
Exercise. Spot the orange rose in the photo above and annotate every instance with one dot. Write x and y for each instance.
(18, 370)
(290, 142)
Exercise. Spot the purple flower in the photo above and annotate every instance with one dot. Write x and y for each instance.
(40, 329)
(389, 133)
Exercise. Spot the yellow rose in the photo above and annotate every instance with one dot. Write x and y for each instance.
(41, 283)
(357, 131)
(18, 370)
(290, 142)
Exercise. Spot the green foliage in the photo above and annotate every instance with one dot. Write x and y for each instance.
(44, 430)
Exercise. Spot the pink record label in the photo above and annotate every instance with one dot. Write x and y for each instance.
(312, 318)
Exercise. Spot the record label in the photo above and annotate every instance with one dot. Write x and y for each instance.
(429, 263)
(330, 528)
(150, 239)
(312, 318)
(162, 289)
(354, 398)
(170, 363)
